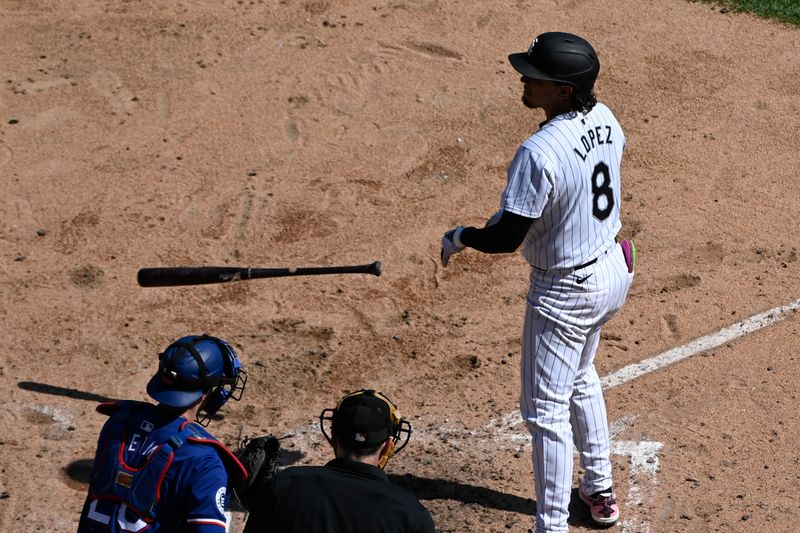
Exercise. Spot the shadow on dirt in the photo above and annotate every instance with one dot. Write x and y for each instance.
(78, 473)
(442, 489)
(44, 388)
(579, 513)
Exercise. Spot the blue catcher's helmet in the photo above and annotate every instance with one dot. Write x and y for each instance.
(194, 365)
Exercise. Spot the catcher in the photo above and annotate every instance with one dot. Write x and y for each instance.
(350, 494)
(156, 468)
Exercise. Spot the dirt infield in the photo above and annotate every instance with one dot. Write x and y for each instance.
(303, 133)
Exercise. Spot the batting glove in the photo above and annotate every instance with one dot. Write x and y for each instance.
(451, 244)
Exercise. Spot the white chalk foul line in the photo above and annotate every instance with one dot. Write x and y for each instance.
(631, 372)
(505, 426)
(703, 344)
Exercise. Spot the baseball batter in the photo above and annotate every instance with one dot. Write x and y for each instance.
(562, 204)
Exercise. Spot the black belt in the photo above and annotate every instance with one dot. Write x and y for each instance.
(586, 264)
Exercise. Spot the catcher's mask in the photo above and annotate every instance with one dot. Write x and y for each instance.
(194, 365)
(364, 419)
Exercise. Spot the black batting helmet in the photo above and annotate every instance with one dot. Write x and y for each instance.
(559, 57)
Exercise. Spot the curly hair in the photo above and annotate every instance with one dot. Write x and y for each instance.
(583, 101)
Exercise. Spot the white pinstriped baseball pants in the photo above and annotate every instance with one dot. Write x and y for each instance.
(562, 399)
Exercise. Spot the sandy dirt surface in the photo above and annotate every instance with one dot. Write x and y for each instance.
(304, 133)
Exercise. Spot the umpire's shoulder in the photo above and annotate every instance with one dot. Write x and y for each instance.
(398, 485)
(299, 472)
(293, 480)
(420, 515)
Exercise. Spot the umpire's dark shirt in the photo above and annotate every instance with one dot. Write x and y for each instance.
(343, 496)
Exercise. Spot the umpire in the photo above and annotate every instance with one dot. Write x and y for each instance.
(350, 494)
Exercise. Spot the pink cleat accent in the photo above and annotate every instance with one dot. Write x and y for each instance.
(602, 504)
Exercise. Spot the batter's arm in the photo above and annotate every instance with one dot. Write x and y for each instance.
(501, 238)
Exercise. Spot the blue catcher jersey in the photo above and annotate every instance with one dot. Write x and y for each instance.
(157, 473)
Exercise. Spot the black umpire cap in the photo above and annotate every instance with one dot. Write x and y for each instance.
(363, 420)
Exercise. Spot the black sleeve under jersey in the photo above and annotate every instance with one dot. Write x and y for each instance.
(501, 238)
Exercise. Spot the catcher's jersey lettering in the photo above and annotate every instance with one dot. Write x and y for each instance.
(141, 447)
(118, 513)
(150, 449)
(594, 137)
(136, 441)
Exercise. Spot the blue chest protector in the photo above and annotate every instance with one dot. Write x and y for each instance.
(130, 468)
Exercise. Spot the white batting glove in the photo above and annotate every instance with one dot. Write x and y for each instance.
(494, 219)
(451, 244)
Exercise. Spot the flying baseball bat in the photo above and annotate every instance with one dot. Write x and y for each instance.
(174, 276)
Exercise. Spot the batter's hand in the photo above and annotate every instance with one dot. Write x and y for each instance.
(451, 244)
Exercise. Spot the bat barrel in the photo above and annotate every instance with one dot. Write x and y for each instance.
(177, 276)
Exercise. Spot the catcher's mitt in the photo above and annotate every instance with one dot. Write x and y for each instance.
(260, 456)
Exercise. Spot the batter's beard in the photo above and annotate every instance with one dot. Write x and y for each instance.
(528, 103)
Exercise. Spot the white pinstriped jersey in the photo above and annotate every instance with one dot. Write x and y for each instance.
(566, 176)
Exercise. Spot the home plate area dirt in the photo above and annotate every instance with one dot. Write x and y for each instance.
(318, 133)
